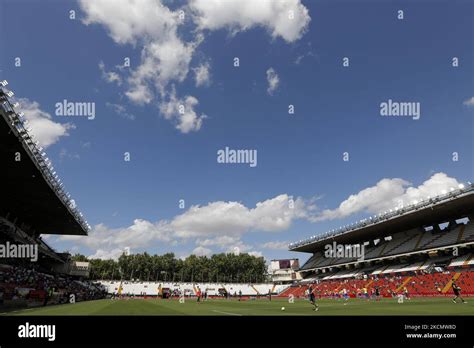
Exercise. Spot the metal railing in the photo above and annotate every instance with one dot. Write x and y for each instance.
(42, 162)
(396, 212)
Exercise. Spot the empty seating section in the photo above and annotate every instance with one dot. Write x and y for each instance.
(401, 243)
(426, 239)
(246, 289)
(374, 251)
(263, 289)
(408, 244)
(313, 261)
(344, 274)
(444, 238)
(278, 289)
(465, 260)
(468, 234)
(189, 289)
(397, 241)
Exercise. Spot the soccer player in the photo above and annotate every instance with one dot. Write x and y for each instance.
(345, 295)
(198, 293)
(377, 293)
(405, 293)
(365, 293)
(312, 300)
(457, 292)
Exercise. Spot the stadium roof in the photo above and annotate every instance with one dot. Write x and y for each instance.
(450, 206)
(31, 192)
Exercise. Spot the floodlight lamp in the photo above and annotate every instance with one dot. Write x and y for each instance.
(4, 83)
(461, 186)
(10, 94)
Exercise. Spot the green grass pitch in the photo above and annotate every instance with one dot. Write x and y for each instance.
(416, 306)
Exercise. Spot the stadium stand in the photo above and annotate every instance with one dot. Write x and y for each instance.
(33, 203)
(31, 287)
(401, 243)
(419, 248)
(417, 284)
(189, 289)
(462, 261)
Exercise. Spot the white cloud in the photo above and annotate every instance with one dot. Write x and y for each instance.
(299, 59)
(139, 234)
(63, 153)
(202, 75)
(217, 224)
(182, 112)
(225, 243)
(273, 81)
(275, 245)
(45, 131)
(308, 54)
(221, 241)
(165, 57)
(255, 253)
(109, 76)
(107, 254)
(388, 194)
(287, 19)
(120, 110)
(201, 251)
(222, 224)
(469, 102)
(129, 21)
(233, 218)
(162, 62)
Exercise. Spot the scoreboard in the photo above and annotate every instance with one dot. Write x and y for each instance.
(285, 264)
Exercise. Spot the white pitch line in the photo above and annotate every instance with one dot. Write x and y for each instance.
(239, 315)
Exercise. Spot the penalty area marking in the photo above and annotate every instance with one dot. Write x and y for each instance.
(239, 315)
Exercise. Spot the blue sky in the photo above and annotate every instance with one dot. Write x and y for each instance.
(337, 109)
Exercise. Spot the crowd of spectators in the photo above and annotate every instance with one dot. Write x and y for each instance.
(28, 286)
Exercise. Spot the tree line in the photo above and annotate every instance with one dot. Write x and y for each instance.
(229, 268)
